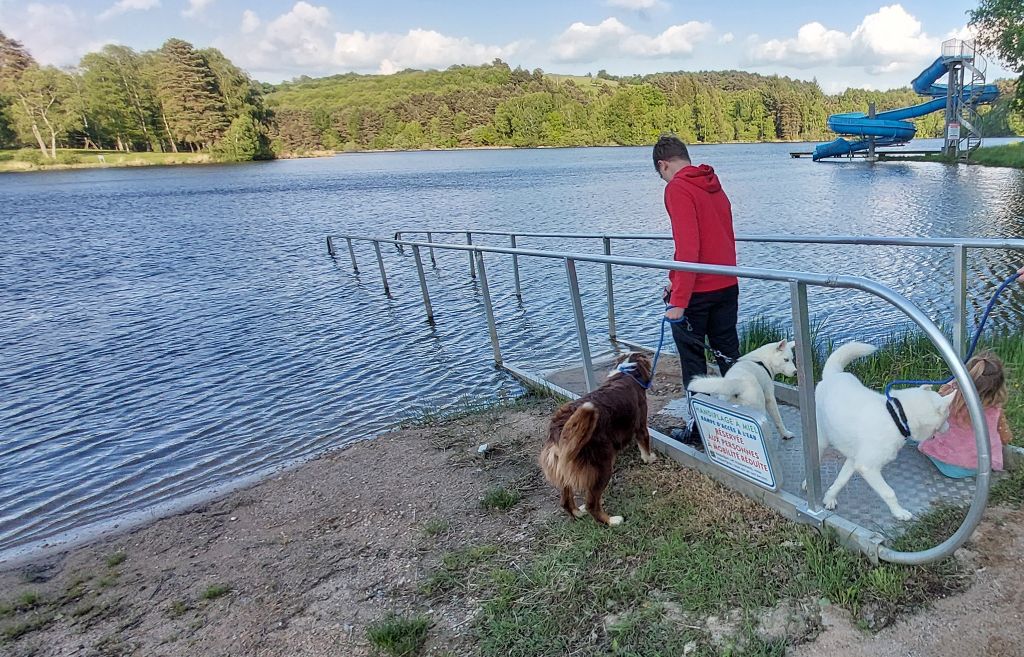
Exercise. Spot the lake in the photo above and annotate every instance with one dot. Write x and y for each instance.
(168, 333)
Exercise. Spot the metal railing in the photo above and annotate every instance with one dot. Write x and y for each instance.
(958, 245)
(809, 508)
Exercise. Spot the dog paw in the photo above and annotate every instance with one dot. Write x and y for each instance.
(788, 435)
(903, 514)
(830, 504)
(615, 521)
(648, 458)
(581, 511)
(803, 485)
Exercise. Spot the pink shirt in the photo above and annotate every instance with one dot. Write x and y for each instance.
(956, 445)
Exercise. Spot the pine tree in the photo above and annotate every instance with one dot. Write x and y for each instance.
(190, 99)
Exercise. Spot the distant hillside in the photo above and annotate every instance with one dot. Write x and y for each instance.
(495, 105)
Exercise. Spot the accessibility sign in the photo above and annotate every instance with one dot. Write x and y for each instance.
(734, 440)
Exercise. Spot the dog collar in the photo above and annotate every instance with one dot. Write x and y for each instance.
(898, 415)
(627, 369)
(765, 369)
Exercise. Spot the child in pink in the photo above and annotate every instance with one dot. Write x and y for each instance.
(954, 451)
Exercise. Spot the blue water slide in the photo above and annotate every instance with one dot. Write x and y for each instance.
(893, 127)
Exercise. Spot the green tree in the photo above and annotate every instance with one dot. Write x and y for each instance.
(14, 60)
(244, 141)
(119, 99)
(1000, 28)
(191, 101)
(45, 107)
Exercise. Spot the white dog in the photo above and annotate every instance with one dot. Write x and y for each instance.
(749, 382)
(855, 421)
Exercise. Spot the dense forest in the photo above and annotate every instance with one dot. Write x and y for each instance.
(173, 99)
(182, 98)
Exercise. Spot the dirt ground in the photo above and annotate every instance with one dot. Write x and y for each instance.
(302, 563)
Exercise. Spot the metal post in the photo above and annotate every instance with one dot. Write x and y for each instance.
(472, 267)
(330, 246)
(380, 264)
(609, 289)
(871, 140)
(491, 325)
(805, 381)
(352, 254)
(515, 270)
(433, 261)
(581, 325)
(423, 284)
(960, 300)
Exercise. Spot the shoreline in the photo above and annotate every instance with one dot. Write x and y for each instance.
(309, 561)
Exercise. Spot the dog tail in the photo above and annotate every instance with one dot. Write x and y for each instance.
(577, 431)
(716, 385)
(845, 355)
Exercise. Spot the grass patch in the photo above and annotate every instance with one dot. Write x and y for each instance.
(178, 608)
(399, 636)
(500, 499)
(216, 591)
(455, 569)
(28, 159)
(436, 527)
(116, 559)
(688, 549)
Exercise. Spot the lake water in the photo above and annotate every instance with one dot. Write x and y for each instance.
(168, 332)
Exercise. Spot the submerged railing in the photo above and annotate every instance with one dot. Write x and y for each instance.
(958, 246)
(808, 508)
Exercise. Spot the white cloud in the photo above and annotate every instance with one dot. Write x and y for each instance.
(54, 34)
(587, 43)
(250, 22)
(728, 37)
(124, 6)
(886, 41)
(305, 39)
(636, 5)
(196, 8)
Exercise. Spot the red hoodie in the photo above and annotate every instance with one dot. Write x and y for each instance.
(701, 229)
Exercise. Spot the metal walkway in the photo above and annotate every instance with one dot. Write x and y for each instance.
(861, 520)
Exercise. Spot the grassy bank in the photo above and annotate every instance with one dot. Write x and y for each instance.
(1009, 155)
(76, 158)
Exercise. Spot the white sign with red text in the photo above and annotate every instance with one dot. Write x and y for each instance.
(734, 441)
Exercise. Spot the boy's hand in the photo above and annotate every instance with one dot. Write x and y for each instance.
(674, 313)
(1021, 272)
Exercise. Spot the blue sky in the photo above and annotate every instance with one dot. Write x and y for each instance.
(853, 43)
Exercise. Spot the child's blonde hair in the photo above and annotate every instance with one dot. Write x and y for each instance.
(988, 374)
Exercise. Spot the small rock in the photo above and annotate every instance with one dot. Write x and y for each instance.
(690, 648)
(234, 519)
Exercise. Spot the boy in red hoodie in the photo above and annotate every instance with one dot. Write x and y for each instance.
(701, 218)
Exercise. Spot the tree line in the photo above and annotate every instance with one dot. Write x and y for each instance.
(495, 105)
(179, 98)
(176, 98)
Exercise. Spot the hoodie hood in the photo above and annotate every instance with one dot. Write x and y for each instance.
(702, 177)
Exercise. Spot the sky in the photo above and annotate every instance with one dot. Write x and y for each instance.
(855, 43)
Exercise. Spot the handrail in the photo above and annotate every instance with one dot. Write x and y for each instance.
(862, 284)
(968, 242)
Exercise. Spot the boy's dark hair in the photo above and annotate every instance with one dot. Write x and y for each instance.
(669, 147)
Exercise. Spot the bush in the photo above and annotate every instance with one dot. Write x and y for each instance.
(30, 155)
(68, 158)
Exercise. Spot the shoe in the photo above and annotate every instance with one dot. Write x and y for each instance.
(688, 435)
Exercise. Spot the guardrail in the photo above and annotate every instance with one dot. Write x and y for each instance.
(809, 508)
(958, 245)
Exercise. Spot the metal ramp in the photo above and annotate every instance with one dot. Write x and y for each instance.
(861, 521)
(918, 484)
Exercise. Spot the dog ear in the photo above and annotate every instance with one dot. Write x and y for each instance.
(791, 344)
(781, 346)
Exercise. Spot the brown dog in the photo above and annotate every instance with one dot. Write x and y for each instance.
(586, 434)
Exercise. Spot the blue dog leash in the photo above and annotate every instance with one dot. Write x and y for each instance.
(627, 368)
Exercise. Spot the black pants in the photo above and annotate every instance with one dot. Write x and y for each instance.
(712, 315)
